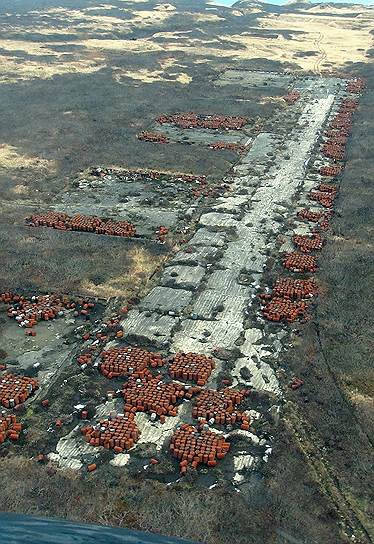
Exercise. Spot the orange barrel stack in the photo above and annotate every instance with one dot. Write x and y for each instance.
(325, 199)
(83, 223)
(292, 97)
(28, 311)
(331, 171)
(321, 218)
(119, 433)
(195, 120)
(154, 396)
(9, 428)
(285, 309)
(193, 447)
(299, 262)
(308, 243)
(220, 406)
(356, 85)
(295, 288)
(15, 390)
(154, 137)
(191, 367)
(128, 361)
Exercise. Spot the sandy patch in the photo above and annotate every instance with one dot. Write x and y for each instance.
(11, 159)
(141, 45)
(13, 69)
(152, 76)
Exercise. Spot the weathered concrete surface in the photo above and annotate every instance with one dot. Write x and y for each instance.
(70, 450)
(183, 277)
(166, 299)
(199, 255)
(204, 237)
(150, 328)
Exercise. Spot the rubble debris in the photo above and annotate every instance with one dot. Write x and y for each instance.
(308, 243)
(193, 447)
(106, 332)
(292, 97)
(119, 433)
(149, 175)
(9, 428)
(128, 361)
(154, 396)
(195, 120)
(15, 390)
(191, 367)
(235, 147)
(83, 223)
(154, 137)
(299, 262)
(219, 407)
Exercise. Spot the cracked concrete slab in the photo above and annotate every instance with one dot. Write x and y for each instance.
(183, 277)
(166, 299)
(205, 237)
(199, 255)
(149, 327)
(219, 221)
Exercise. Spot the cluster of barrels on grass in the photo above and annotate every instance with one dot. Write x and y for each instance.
(10, 428)
(15, 390)
(28, 311)
(147, 390)
(289, 299)
(82, 223)
(192, 120)
(148, 175)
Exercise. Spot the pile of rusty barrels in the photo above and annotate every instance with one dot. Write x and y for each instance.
(154, 137)
(193, 447)
(306, 243)
(219, 407)
(321, 218)
(119, 433)
(128, 361)
(288, 300)
(191, 367)
(294, 288)
(194, 120)
(298, 262)
(324, 195)
(28, 311)
(154, 396)
(82, 223)
(15, 390)
(356, 85)
(292, 97)
(284, 308)
(9, 428)
(331, 171)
